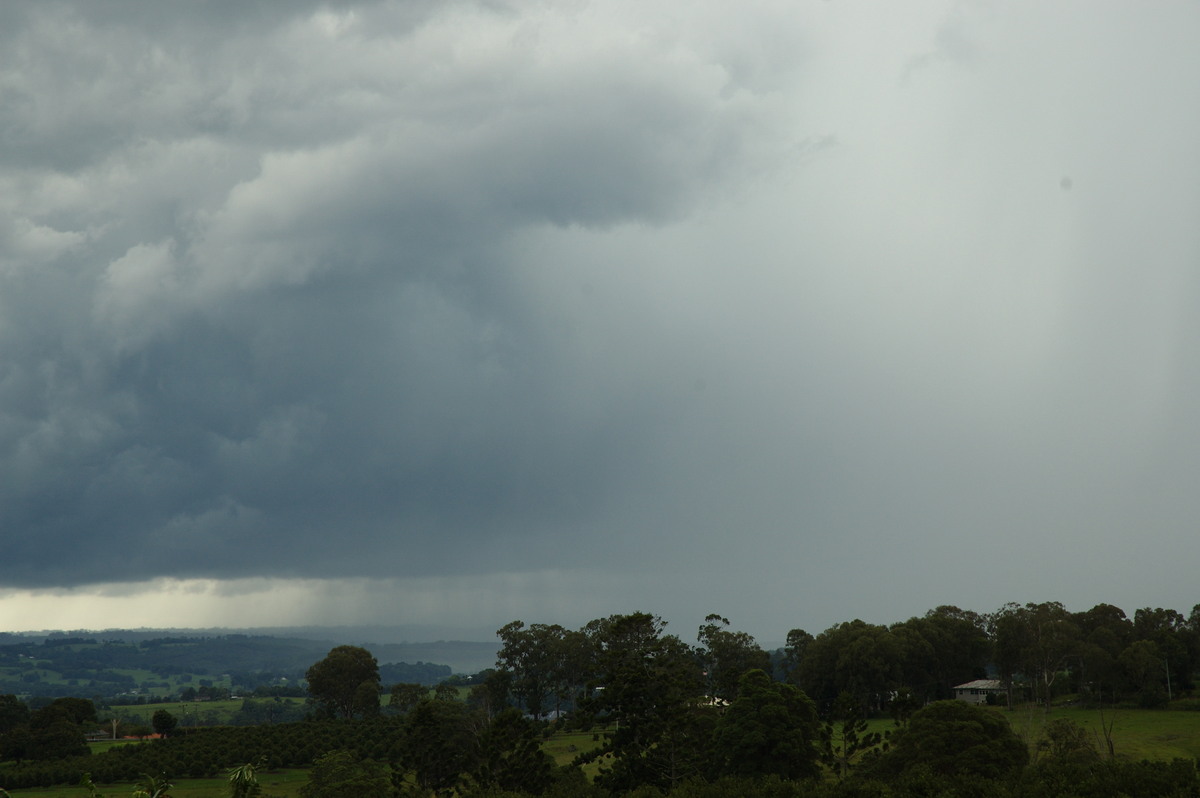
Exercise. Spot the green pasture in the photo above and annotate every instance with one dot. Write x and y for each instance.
(565, 746)
(140, 675)
(44, 674)
(48, 674)
(100, 746)
(219, 711)
(205, 713)
(1136, 733)
(176, 682)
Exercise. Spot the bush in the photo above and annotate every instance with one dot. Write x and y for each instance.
(957, 740)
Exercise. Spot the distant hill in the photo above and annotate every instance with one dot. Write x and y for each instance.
(144, 662)
(387, 643)
(395, 644)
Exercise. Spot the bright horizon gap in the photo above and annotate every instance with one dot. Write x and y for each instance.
(202, 603)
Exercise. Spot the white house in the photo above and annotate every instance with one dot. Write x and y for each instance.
(976, 692)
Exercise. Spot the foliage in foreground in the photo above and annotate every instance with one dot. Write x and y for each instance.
(205, 753)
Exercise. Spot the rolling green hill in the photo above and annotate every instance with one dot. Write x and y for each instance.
(124, 666)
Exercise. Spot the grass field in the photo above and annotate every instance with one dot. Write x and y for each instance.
(100, 746)
(1137, 733)
(141, 677)
(205, 713)
(565, 746)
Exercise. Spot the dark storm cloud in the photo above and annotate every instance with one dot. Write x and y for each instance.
(782, 313)
(258, 312)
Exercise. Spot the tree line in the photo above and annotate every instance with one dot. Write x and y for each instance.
(1038, 651)
(671, 717)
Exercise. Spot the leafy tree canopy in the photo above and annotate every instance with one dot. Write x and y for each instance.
(770, 729)
(346, 682)
(163, 722)
(345, 774)
(954, 738)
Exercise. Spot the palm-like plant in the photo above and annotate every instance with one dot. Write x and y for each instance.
(85, 782)
(243, 780)
(153, 787)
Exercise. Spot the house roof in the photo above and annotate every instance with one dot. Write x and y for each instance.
(981, 684)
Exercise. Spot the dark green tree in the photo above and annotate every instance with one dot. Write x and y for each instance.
(66, 710)
(346, 682)
(440, 744)
(651, 690)
(15, 735)
(771, 728)
(545, 662)
(1038, 640)
(164, 722)
(902, 705)
(55, 730)
(345, 774)
(491, 696)
(445, 692)
(1108, 619)
(844, 738)
(1068, 764)
(1065, 741)
(945, 647)
(726, 655)
(13, 713)
(955, 739)
(406, 695)
(574, 665)
(1104, 634)
(853, 657)
(60, 740)
(1054, 644)
(919, 660)
(793, 654)
(1144, 669)
(1168, 630)
(15, 743)
(511, 756)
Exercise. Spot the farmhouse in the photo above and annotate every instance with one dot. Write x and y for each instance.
(976, 692)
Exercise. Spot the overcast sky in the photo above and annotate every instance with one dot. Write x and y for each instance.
(444, 314)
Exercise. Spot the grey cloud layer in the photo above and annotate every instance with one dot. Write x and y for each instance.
(798, 298)
(256, 299)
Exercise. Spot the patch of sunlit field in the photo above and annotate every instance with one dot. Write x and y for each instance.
(210, 712)
(1157, 734)
(100, 746)
(565, 746)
